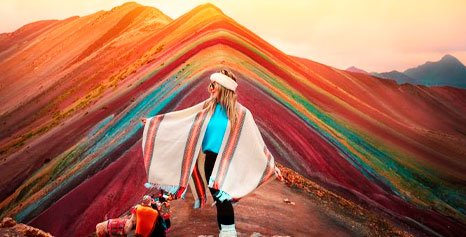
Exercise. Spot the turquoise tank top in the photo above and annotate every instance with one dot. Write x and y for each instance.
(215, 130)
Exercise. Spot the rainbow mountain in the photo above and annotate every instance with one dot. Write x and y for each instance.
(73, 92)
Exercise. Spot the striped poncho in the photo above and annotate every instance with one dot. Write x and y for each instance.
(173, 155)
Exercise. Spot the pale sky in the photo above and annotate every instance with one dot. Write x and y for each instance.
(374, 35)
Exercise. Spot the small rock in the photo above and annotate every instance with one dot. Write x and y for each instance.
(7, 222)
(320, 193)
(287, 201)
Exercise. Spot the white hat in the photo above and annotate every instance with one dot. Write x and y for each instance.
(146, 199)
(224, 80)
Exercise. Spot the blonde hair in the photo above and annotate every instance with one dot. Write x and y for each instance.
(227, 98)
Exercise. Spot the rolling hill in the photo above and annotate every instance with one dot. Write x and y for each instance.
(448, 71)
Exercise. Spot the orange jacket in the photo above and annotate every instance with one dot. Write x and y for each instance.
(145, 220)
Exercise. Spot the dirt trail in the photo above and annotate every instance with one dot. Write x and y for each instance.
(264, 212)
(309, 210)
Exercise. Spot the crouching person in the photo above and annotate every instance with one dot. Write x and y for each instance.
(115, 227)
(163, 220)
(146, 217)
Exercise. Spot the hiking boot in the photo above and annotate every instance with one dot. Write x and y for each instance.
(228, 231)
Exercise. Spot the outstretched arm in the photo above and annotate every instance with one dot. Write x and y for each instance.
(188, 110)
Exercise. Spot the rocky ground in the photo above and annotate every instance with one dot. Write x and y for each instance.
(9, 227)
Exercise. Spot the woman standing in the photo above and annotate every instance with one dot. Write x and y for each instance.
(218, 136)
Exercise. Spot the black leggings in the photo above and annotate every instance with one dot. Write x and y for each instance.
(225, 213)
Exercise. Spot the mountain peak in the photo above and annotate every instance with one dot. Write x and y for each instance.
(395, 75)
(448, 58)
(210, 8)
(208, 13)
(126, 5)
(448, 71)
(150, 14)
(131, 4)
(355, 69)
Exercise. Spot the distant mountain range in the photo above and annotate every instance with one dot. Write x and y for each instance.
(395, 75)
(448, 71)
(355, 69)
